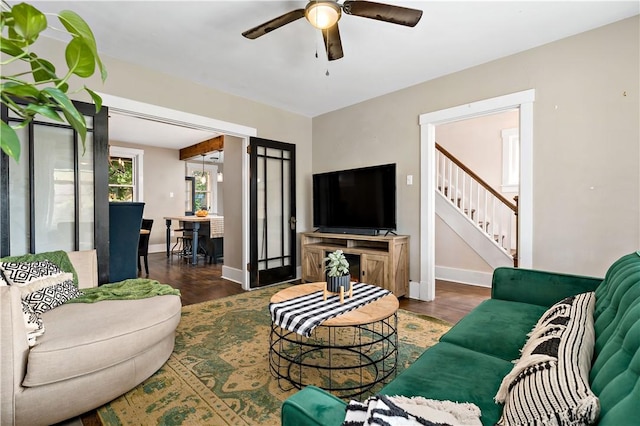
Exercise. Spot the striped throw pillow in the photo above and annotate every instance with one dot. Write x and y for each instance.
(549, 384)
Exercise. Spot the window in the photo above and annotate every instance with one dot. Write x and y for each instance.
(121, 179)
(125, 174)
(203, 190)
(510, 160)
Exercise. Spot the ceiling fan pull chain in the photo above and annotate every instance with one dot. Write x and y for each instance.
(327, 73)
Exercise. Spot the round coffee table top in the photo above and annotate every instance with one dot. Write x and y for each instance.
(371, 312)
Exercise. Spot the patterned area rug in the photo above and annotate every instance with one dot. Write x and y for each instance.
(219, 373)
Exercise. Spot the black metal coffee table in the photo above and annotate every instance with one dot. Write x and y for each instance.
(347, 355)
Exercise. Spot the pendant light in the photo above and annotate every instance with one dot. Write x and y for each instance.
(203, 177)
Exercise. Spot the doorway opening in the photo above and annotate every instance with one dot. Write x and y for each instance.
(243, 133)
(478, 167)
(523, 101)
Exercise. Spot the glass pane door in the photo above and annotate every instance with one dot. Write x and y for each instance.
(55, 197)
(272, 212)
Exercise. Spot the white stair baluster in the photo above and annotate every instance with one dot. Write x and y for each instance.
(494, 220)
(464, 181)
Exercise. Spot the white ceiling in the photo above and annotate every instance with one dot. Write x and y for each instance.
(201, 41)
(142, 131)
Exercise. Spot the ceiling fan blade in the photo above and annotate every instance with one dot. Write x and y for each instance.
(383, 12)
(274, 24)
(332, 43)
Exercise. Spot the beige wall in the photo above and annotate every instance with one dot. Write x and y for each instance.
(453, 252)
(586, 135)
(232, 189)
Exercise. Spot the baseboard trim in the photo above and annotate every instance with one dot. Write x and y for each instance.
(464, 276)
(414, 290)
(157, 248)
(232, 274)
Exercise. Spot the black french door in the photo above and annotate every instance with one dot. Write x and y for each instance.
(272, 205)
(56, 197)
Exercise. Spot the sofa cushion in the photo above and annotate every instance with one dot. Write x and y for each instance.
(496, 327)
(450, 372)
(82, 338)
(550, 382)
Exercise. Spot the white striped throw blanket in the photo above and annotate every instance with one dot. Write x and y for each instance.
(411, 411)
(304, 313)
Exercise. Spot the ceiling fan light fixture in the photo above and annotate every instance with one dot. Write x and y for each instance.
(323, 14)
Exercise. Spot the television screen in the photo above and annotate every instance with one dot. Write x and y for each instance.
(363, 198)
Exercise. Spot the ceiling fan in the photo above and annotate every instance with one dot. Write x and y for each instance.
(324, 15)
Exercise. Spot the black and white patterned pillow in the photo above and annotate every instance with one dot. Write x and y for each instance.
(53, 296)
(24, 273)
(549, 384)
(32, 322)
(33, 276)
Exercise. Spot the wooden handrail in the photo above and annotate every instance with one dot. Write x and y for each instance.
(478, 179)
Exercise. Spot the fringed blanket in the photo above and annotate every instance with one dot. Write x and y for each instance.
(414, 411)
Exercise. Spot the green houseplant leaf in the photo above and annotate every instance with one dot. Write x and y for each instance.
(45, 93)
(73, 116)
(29, 22)
(77, 26)
(20, 90)
(9, 140)
(79, 58)
(42, 70)
(47, 111)
(10, 47)
(97, 100)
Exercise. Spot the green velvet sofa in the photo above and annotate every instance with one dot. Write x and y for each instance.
(470, 361)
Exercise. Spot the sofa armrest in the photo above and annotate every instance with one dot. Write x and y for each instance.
(538, 287)
(313, 407)
(14, 349)
(86, 265)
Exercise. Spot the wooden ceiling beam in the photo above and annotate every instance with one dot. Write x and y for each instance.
(201, 148)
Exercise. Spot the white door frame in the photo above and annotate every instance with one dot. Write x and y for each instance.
(428, 122)
(171, 116)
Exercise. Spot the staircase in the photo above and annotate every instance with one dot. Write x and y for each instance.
(484, 218)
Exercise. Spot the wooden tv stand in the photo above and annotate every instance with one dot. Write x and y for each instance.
(384, 260)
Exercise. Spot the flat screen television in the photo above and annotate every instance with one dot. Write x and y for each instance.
(359, 200)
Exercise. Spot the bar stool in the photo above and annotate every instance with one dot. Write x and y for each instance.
(182, 246)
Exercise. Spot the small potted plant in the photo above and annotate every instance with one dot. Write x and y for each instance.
(337, 269)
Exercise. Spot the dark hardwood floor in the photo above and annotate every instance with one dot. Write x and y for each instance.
(204, 282)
